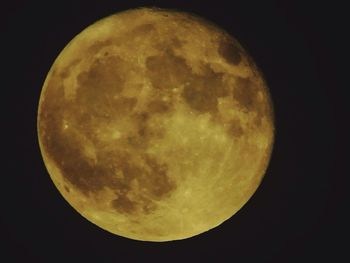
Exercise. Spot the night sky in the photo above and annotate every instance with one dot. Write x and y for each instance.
(296, 215)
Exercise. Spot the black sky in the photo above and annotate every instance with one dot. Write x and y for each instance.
(297, 213)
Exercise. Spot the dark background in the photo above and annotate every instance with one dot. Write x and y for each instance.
(297, 214)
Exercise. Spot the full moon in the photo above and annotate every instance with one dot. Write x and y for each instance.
(155, 124)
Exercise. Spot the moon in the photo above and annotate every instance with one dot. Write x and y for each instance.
(155, 124)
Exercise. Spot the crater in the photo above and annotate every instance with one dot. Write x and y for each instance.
(229, 51)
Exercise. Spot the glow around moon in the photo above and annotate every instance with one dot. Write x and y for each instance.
(155, 125)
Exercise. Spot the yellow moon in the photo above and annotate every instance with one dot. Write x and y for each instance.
(155, 124)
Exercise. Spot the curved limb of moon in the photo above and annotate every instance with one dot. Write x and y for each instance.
(155, 124)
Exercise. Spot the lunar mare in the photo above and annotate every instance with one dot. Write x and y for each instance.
(155, 125)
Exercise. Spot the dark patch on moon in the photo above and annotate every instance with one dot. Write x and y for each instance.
(169, 44)
(245, 93)
(159, 106)
(143, 29)
(229, 51)
(98, 45)
(65, 73)
(137, 178)
(200, 91)
(157, 180)
(104, 75)
(66, 147)
(123, 204)
(122, 106)
(167, 71)
(203, 90)
(101, 84)
(176, 43)
(100, 138)
(199, 99)
(141, 138)
(235, 129)
(152, 178)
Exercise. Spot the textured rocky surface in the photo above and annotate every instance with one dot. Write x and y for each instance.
(155, 125)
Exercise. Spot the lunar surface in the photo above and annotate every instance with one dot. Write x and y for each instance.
(155, 125)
